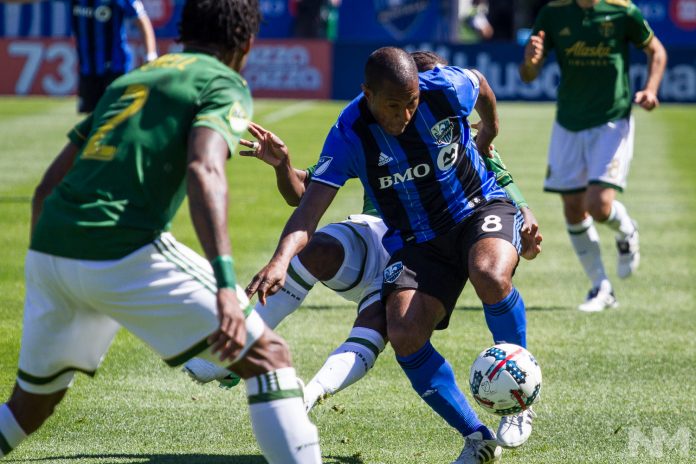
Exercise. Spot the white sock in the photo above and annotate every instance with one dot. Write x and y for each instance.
(346, 365)
(279, 420)
(298, 283)
(585, 240)
(619, 220)
(11, 433)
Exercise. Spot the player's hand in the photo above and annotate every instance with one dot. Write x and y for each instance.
(534, 50)
(269, 148)
(267, 281)
(230, 338)
(647, 100)
(531, 238)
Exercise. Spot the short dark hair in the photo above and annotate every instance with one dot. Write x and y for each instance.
(426, 60)
(390, 64)
(227, 24)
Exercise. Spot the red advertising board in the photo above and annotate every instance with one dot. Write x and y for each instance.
(290, 68)
(276, 69)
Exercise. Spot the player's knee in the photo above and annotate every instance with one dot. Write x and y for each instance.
(269, 353)
(492, 281)
(322, 256)
(373, 316)
(405, 336)
(599, 211)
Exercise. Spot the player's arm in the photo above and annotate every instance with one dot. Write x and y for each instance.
(533, 57)
(657, 61)
(51, 178)
(295, 236)
(148, 34)
(207, 194)
(270, 149)
(487, 111)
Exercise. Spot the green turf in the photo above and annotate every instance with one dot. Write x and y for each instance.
(619, 386)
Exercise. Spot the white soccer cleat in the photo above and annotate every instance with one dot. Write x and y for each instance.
(479, 451)
(629, 254)
(203, 371)
(514, 430)
(599, 298)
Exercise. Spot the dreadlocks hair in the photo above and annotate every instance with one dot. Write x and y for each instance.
(427, 60)
(390, 64)
(227, 24)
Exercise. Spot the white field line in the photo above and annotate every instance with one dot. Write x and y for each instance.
(288, 111)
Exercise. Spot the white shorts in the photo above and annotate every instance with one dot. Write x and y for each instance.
(164, 293)
(599, 155)
(361, 237)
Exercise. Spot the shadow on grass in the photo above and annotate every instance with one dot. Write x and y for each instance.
(176, 459)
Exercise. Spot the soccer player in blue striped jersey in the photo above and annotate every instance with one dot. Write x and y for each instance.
(102, 50)
(407, 138)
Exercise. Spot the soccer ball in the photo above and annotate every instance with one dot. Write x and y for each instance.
(505, 379)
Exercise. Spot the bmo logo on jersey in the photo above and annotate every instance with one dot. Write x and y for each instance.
(419, 171)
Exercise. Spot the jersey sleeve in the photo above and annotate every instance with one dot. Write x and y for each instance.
(78, 134)
(637, 29)
(466, 86)
(336, 163)
(226, 108)
(133, 8)
(542, 24)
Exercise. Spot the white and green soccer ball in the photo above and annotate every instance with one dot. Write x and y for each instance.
(505, 379)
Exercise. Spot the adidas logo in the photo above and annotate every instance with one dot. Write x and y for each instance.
(383, 159)
(565, 31)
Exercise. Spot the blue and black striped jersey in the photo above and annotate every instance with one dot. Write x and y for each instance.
(424, 181)
(100, 33)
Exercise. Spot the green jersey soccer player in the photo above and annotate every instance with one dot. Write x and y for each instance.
(592, 139)
(101, 257)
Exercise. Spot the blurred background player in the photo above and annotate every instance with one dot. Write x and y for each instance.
(100, 256)
(592, 139)
(407, 139)
(102, 49)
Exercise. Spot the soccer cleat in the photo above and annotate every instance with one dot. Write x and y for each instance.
(514, 430)
(599, 299)
(479, 451)
(203, 371)
(629, 254)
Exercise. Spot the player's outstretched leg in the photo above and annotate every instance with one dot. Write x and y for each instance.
(298, 283)
(324, 257)
(492, 262)
(352, 360)
(411, 317)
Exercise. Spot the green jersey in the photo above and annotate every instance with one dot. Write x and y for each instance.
(128, 179)
(592, 47)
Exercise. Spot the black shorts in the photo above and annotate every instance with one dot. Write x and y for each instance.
(90, 90)
(438, 267)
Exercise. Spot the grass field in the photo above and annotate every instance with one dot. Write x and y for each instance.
(619, 386)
